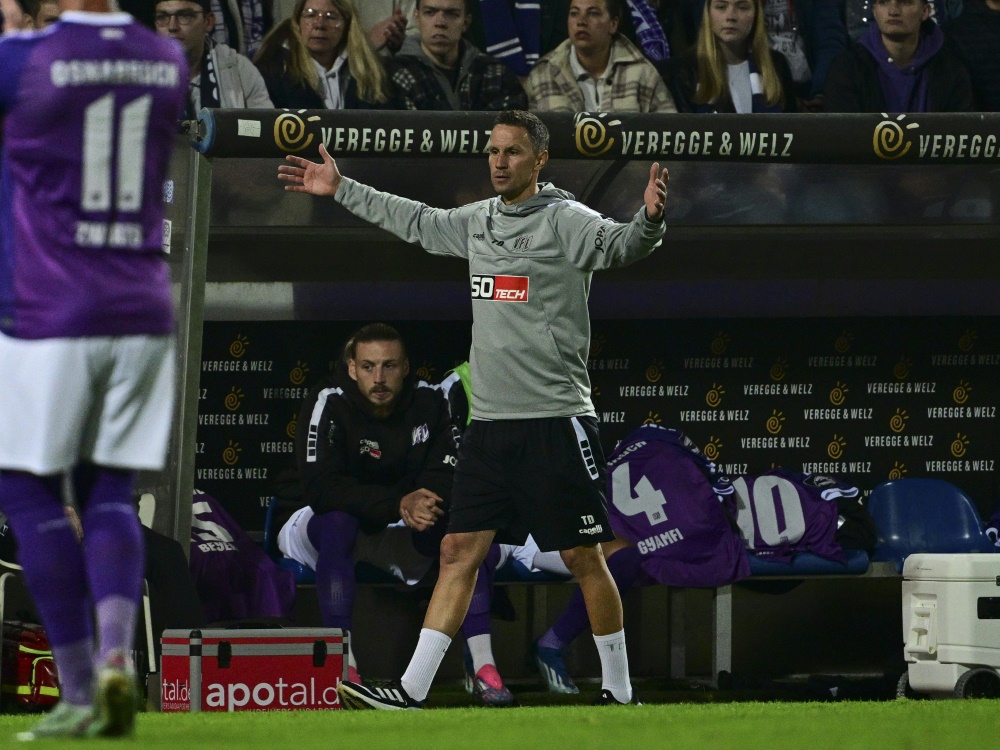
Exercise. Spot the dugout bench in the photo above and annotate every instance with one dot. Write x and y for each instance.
(243, 251)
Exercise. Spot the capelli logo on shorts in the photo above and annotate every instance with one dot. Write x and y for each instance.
(593, 530)
(500, 288)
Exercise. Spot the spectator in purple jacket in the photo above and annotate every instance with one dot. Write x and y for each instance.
(900, 65)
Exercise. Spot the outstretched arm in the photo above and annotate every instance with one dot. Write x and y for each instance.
(655, 196)
(306, 176)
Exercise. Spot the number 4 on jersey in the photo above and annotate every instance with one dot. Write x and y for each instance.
(647, 499)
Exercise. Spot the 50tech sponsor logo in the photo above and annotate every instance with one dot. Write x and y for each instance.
(500, 288)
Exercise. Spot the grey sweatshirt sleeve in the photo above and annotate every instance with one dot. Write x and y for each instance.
(594, 242)
(439, 231)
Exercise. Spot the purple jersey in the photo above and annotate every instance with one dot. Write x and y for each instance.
(234, 578)
(90, 109)
(782, 513)
(666, 499)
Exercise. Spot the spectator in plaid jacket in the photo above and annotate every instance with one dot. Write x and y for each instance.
(597, 69)
(440, 70)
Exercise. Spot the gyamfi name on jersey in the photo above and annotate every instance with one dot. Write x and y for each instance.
(500, 288)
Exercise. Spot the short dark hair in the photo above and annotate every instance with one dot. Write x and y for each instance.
(468, 6)
(205, 5)
(615, 8)
(538, 134)
(369, 333)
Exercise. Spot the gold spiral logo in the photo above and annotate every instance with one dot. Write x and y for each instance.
(595, 392)
(426, 372)
(966, 341)
(652, 418)
(233, 399)
(239, 346)
(961, 393)
(291, 427)
(714, 396)
(778, 370)
(592, 136)
(231, 454)
(843, 342)
(898, 471)
(719, 343)
(838, 394)
(298, 373)
(774, 422)
(889, 141)
(713, 448)
(290, 133)
(901, 369)
(597, 343)
(958, 445)
(897, 422)
(836, 447)
(654, 371)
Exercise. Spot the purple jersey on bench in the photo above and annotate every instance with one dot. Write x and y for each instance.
(666, 499)
(782, 513)
(90, 109)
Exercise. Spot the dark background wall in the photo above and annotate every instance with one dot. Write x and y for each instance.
(860, 398)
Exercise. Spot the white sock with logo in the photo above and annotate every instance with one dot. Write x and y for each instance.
(614, 665)
(481, 649)
(431, 648)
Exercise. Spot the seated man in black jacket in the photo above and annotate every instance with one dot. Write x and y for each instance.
(375, 455)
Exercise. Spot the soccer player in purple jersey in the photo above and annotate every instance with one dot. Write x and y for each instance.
(89, 110)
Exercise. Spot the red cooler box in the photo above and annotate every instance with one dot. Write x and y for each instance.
(283, 669)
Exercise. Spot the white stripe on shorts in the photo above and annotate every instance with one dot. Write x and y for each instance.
(586, 452)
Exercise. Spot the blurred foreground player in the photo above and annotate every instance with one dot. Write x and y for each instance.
(531, 460)
(90, 108)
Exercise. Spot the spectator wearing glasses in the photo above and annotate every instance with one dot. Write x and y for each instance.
(321, 58)
(901, 64)
(440, 70)
(220, 76)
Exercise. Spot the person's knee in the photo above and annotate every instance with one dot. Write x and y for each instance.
(459, 552)
(333, 533)
(582, 561)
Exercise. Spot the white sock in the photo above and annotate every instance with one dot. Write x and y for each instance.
(430, 650)
(614, 665)
(351, 662)
(481, 648)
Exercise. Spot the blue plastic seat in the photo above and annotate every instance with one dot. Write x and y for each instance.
(924, 515)
(808, 564)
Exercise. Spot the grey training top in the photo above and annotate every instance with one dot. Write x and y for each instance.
(530, 266)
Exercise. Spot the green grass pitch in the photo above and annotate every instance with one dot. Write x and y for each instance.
(920, 725)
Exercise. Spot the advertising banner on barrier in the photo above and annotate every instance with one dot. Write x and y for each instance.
(879, 138)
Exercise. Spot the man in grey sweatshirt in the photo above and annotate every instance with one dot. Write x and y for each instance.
(531, 461)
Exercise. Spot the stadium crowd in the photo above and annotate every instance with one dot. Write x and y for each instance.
(578, 55)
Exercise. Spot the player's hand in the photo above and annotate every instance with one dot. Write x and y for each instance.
(322, 178)
(421, 509)
(655, 196)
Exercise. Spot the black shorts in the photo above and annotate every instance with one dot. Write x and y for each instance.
(543, 477)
